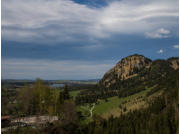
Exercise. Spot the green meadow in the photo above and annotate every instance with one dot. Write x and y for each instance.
(74, 93)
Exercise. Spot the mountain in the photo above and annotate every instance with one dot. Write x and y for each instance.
(136, 96)
(131, 75)
(134, 66)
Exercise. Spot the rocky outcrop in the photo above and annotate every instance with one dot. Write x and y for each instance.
(174, 63)
(128, 67)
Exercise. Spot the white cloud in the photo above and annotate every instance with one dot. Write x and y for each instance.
(176, 46)
(130, 17)
(160, 51)
(160, 33)
(48, 69)
(57, 21)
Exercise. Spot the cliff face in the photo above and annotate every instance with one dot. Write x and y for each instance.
(128, 67)
(174, 63)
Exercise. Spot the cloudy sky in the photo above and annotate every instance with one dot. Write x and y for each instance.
(82, 39)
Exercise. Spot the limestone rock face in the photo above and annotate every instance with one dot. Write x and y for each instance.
(126, 68)
(174, 63)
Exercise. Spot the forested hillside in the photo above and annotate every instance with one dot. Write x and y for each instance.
(147, 75)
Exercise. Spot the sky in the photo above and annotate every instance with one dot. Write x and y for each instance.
(82, 39)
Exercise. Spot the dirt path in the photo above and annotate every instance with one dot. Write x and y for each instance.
(92, 110)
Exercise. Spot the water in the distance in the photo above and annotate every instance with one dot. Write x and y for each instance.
(56, 85)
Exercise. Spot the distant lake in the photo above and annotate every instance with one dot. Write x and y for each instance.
(56, 85)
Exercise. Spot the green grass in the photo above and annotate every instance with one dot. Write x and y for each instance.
(74, 93)
(85, 110)
(111, 107)
(114, 102)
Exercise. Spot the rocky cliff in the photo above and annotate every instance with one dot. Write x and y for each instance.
(174, 63)
(128, 67)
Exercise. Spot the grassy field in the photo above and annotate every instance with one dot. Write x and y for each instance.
(115, 106)
(111, 107)
(74, 93)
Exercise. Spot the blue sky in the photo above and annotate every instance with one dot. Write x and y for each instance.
(82, 39)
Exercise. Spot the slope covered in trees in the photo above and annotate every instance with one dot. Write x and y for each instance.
(160, 117)
(145, 77)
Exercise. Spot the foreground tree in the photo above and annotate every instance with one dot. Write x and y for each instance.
(25, 100)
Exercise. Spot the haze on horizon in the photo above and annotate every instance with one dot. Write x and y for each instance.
(77, 39)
